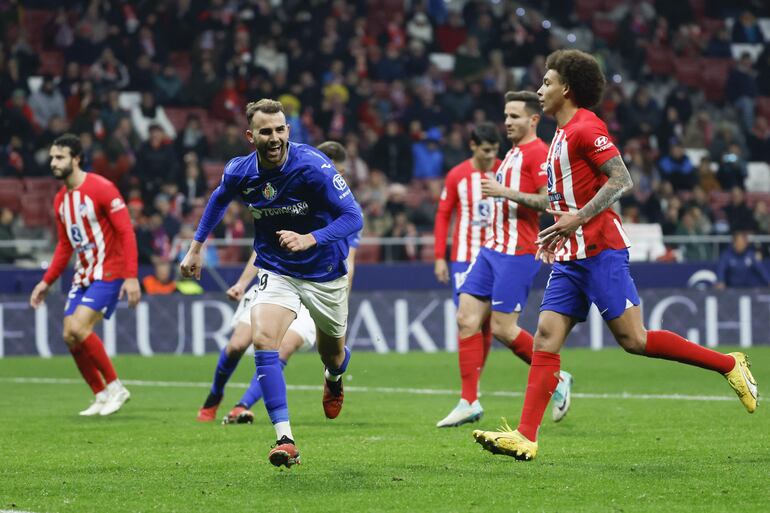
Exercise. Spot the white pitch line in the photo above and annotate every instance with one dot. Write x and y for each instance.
(379, 390)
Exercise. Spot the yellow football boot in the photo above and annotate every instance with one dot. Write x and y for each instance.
(507, 441)
(743, 382)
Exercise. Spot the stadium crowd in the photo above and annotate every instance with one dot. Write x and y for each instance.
(157, 90)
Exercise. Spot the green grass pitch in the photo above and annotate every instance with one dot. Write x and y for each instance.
(622, 448)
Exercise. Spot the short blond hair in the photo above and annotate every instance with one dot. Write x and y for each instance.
(265, 105)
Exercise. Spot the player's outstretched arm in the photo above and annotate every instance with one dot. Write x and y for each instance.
(495, 189)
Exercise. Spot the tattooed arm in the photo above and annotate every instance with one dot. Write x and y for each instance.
(552, 238)
(619, 183)
(537, 201)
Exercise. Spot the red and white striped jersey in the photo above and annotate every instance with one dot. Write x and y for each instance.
(515, 226)
(93, 222)
(577, 151)
(473, 219)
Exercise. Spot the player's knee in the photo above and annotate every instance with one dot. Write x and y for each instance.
(546, 340)
(504, 331)
(74, 334)
(467, 323)
(634, 342)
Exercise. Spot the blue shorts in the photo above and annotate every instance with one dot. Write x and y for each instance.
(101, 296)
(503, 279)
(456, 277)
(604, 279)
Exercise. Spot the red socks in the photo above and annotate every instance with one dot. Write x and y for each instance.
(95, 349)
(486, 331)
(87, 368)
(670, 346)
(542, 381)
(471, 353)
(522, 346)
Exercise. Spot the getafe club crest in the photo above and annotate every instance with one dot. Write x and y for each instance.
(269, 191)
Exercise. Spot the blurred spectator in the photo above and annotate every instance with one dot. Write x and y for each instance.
(455, 150)
(168, 86)
(356, 168)
(733, 170)
(451, 34)
(231, 143)
(46, 102)
(108, 72)
(428, 159)
(203, 84)
(739, 215)
(688, 226)
(8, 254)
(419, 28)
(402, 227)
(469, 60)
(228, 102)
(676, 168)
(161, 282)
(111, 112)
(146, 114)
(193, 186)
(758, 140)
(171, 224)
(192, 138)
(699, 131)
(18, 117)
(670, 129)
(746, 29)
(741, 89)
(457, 102)
(392, 153)
(719, 45)
(156, 163)
(739, 266)
(762, 217)
(763, 72)
(142, 75)
(10, 78)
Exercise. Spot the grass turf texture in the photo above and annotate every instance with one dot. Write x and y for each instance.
(383, 453)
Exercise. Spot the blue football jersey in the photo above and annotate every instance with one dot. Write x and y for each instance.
(304, 195)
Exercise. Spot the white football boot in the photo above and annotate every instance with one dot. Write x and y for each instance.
(561, 396)
(96, 406)
(463, 413)
(118, 396)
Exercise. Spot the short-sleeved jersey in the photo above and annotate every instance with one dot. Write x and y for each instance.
(473, 213)
(304, 195)
(577, 151)
(515, 226)
(93, 222)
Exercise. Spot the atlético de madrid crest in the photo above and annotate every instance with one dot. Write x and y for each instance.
(268, 191)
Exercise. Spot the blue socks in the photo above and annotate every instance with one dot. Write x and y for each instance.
(254, 392)
(270, 378)
(343, 367)
(225, 368)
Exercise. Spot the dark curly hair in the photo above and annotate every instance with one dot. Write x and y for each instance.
(581, 72)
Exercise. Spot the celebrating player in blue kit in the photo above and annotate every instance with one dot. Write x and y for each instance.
(303, 213)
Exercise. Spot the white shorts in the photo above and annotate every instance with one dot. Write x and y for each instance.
(303, 325)
(327, 301)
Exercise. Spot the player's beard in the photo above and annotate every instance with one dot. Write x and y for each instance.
(265, 155)
(63, 173)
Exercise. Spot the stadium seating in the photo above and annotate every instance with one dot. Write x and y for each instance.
(368, 254)
(11, 190)
(36, 210)
(660, 60)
